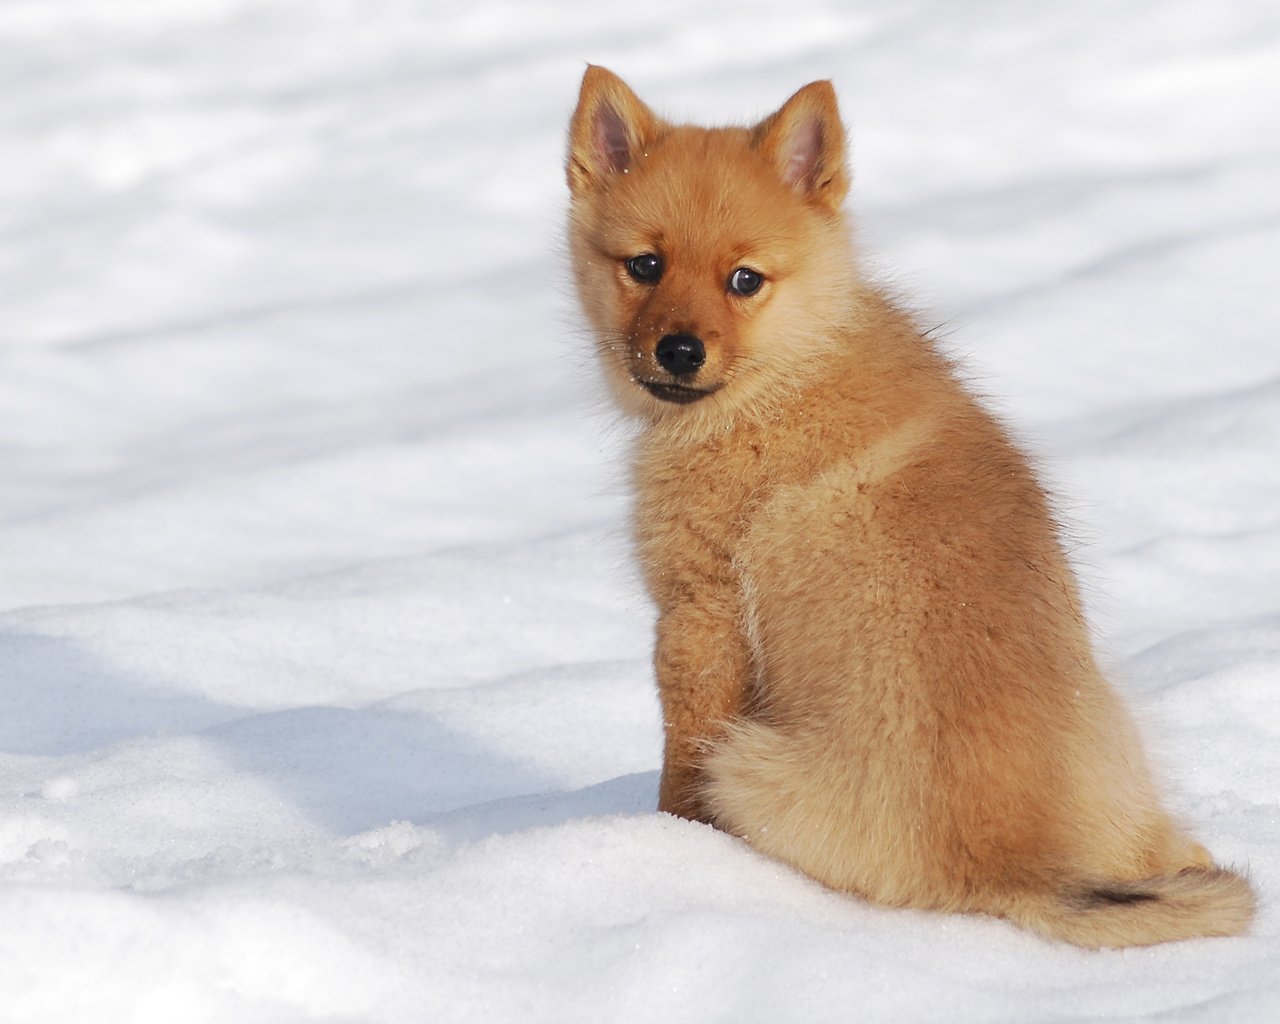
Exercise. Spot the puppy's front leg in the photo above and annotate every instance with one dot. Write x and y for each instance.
(702, 665)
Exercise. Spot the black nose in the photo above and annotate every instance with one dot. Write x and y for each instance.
(680, 354)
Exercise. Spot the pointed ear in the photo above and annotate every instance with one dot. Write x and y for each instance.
(609, 130)
(804, 140)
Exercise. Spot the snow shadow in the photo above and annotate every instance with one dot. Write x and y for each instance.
(56, 699)
(348, 770)
(354, 770)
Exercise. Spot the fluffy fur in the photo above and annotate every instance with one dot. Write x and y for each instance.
(870, 651)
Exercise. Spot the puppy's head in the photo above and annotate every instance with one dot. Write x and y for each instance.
(713, 264)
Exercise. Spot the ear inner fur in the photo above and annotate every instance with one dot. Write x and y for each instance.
(609, 137)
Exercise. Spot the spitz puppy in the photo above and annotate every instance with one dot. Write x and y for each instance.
(870, 654)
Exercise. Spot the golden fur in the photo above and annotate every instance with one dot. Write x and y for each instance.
(870, 651)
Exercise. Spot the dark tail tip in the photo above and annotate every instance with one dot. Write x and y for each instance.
(1115, 896)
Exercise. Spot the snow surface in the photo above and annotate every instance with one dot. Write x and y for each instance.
(324, 672)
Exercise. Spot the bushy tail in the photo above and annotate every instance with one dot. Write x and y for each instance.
(1197, 902)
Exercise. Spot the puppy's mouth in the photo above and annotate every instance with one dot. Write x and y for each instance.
(680, 394)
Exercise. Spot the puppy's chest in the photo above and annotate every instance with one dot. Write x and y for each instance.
(696, 508)
(724, 508)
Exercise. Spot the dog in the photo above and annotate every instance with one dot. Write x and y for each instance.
(871, 655)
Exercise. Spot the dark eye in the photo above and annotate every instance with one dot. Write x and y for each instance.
(646, 267)
(745, 281)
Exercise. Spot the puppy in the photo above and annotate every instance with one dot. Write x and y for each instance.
(870, 650)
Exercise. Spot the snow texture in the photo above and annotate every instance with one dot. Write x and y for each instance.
(324, 674)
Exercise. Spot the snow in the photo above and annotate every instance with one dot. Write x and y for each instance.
(324, 671)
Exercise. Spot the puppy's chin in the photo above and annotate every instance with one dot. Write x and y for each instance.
(676, 394)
